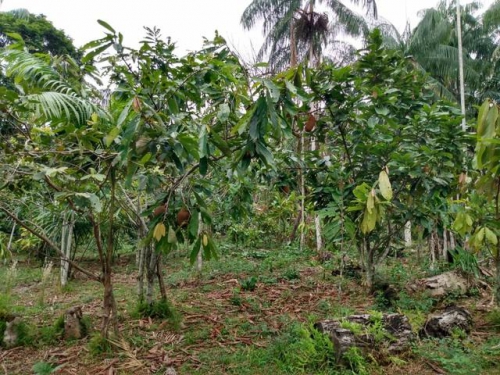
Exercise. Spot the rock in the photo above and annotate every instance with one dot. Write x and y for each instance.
(443, 324)
(441, 285)
(170, 371)
(72, 323)
(392, 333)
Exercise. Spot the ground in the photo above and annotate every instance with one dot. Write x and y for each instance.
(228, 328)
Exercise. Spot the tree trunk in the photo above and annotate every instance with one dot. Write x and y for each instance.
(453, 244)
(497, 286)
(432, 247)
(199, 257)
(9, 245)
(66, 244)
(161, 283)
(370, 266)
(151, 272)
(302, 193)
(408, 239)
(317, 220)
(445, 245)
(142, 255)
(110, 312)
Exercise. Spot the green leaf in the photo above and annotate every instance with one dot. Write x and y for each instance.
(111, 136)
(385, 185)
(106, 26)
(274, 90)
(204, 166)
(382, 111)
(194, 224)
(224, 112)
(196, 249)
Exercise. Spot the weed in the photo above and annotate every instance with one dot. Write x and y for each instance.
(249, 284)
(269, 280)
(422, 303)
(44, 368)
(356, 361)
(303, 348)
(161, 309)
(99, 345)
(291, 274)
(356, 328)
(341, 311)
(493, 319)
(50, 335)
(236, 298)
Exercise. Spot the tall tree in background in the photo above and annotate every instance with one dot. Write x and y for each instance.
(294, 28)
(38, 33)
(433, 47)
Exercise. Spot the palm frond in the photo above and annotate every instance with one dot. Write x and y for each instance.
(59, 107)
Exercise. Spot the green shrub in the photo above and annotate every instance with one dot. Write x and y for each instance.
(303, 348)
(456, 356)
(99, 345)
(44, 368)
(291, 274)
(493, 319)
(249, 284)
(161, 309)
(356, 360)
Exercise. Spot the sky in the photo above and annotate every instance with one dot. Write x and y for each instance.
(186, 21)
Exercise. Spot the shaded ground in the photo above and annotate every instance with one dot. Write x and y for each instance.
(225, 329)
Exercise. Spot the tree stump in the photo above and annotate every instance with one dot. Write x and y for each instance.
(392, 334)
(72, 323)
(11, 335)
(443, 324)
(441, 285)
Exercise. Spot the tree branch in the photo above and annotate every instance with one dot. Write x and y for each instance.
(45, 239)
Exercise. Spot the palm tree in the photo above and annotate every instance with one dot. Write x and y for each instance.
(294, 30)
(433, 48)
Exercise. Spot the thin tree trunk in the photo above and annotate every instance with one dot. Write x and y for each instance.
(407, 232)
(317, 220)
(143, 250)
(445, 245)
(370, 267)
(151, 271)
(432, 247)
(110, 311)
(9, 245)
(161, 282)
(453, 244)
(66, 245)
(199, 257)
(461, 65)
(302, 193)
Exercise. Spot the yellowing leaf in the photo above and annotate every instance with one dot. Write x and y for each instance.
(370, 203)
(369, 221)
(205, 240)
(172, 238)
(491, 237)
(159, 231)
(385, 185)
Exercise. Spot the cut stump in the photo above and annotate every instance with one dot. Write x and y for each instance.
(394, 334)
(441, 285)
(443, 324)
